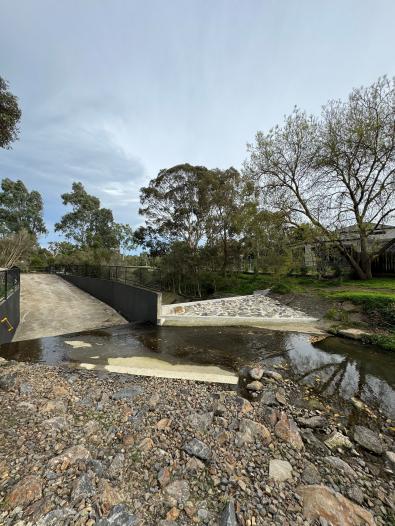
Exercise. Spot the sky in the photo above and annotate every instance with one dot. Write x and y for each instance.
(112, 91)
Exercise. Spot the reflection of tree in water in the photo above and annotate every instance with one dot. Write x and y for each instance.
(349, 378)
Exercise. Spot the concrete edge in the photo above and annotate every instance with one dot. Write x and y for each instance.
(139, 371)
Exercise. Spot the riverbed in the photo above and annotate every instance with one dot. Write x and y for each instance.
(333, 367)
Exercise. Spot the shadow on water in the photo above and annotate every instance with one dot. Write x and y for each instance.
(333, 366)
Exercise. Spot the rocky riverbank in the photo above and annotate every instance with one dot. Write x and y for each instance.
(92, 448)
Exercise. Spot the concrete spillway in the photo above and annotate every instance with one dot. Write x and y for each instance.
(50, 306)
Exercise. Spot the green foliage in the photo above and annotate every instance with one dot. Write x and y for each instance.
(386, 341)
(334, 171)
(91, 231)
(379, 306)
(10, 115)
(20, 209)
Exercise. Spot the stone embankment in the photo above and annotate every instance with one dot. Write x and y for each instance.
(95, 448)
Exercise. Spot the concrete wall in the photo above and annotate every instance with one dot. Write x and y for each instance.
(10, 313)
(134, 303)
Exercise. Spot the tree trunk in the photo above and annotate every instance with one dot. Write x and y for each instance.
(362, 265)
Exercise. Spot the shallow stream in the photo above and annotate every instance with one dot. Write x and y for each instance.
(334, 366)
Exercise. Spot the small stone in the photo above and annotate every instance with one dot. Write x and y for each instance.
(177, 492)
(118, 516)
(198, 449)
(128, 440)
(338, 440)
(310, 474)
(228, 515)
(8, 381)
(255, 386)
(56, 517)
(70, 456)
(57, 423)
(153, 401)
(256, 373)
(200, 421)
(273, 374)
(315, 422)
(82, 488)
(390, 457)
(146, 444)
(164, 477)
(252, 430)
(194, 465)
(173, 514)
(342, 466)
(287, 430)
(25, 492)
(25, 389)
(280, 397)
(127, 393)
(243, 405)
(54, 406)
(92, 428)
(355, 493)
(163, 424)
(368, 439)
(116, 466)
(280, 470)
(108, 495)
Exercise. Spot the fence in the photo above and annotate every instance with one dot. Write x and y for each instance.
(9, 282)
(148, 277)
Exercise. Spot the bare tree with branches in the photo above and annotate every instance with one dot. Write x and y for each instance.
(338, 171)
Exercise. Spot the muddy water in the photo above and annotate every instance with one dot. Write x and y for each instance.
(335, 367)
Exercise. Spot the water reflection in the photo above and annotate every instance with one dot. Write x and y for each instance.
(334, 366)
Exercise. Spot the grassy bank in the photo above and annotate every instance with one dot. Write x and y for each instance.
(374, 299)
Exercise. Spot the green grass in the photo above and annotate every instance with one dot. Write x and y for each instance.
(248, 283)
(386, 341)
(375, 283)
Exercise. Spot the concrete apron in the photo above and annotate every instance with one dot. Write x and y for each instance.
(307, 325)
(197, 373)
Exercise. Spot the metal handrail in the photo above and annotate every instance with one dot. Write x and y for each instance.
(9, 282)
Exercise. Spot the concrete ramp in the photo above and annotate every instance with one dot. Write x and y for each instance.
(50, 306)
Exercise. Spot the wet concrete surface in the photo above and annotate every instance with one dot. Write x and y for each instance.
(333, 367)
(51, 306)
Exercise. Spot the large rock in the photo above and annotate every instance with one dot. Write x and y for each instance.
(340, 465)
(368, 439)
(321, 502)
(228, 515)
(198, 449)
(280, 470)
(25, 492)
(287, 430)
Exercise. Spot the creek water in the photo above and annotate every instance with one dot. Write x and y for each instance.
(333, 367)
